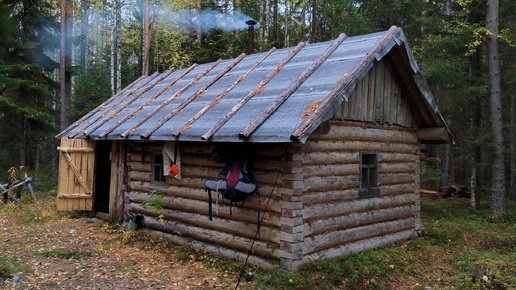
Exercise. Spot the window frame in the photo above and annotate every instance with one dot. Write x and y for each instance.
(157, 168)
(368, 175)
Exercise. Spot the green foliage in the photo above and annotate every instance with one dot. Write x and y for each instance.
(29, 211)
(430, 176)
(27, 90)
(63, 253)
(156, 203)
(91, 88)
(183, 254)
(8, 267)
(456, 238)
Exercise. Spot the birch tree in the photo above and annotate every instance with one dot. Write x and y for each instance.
(116, 48)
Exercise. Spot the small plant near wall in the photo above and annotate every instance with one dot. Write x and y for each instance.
(156, 204)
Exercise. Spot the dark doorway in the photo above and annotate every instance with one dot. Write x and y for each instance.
(102, 175)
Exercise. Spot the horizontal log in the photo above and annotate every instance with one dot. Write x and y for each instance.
(331, 170)
(327, 210)
(236, 243)
(396, 178)
(200, 160)
(333, 239)
(266, 263)
(203, 172)
(353, 220)
(192, 148)
(200, 204)
(397, 158)
(330, 183)
(137, 157)
(398, 189)
(357, 146)
(73, 195)
(362, 245)
(365, 133)
(239, 227)
(393, 168)
(192, 189)
(328, 157)
(75, 149)
(311, 197)
(139, 176)
(437, 134)
(263, 150)
(138, 166)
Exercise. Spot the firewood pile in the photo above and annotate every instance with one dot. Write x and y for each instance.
(455, 191)
(449, 191)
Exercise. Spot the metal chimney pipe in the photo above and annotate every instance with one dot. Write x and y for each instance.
(250, 28)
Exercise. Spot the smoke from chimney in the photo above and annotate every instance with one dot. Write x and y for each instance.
(210, 19)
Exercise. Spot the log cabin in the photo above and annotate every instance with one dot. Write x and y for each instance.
(334, 131)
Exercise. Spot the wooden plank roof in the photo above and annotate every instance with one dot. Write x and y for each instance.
(277, 96)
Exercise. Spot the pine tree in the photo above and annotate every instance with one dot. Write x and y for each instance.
(27, 92)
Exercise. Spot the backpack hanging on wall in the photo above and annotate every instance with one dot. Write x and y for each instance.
(235, 183)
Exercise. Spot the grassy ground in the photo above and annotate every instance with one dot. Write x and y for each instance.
(455, 241)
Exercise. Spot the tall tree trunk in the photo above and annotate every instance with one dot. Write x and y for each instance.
(65, 62)
(275, 23)
(267, 28)
(313, 25)
(199, 23)
(287, 23)
(118, 45)
(498, 180)
(112, 41)
(85, 15)
(146, 39)
(261, 12)
(512, 155)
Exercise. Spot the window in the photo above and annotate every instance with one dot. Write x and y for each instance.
(157, 168)
(368, 175)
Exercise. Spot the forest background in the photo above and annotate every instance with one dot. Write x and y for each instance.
(107, 49)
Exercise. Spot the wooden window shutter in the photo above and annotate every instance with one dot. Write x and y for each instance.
(76, 168)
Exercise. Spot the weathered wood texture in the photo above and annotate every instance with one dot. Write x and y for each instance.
(314, 208)
(185, 201)
(76, 168)
(335, 219)
(118, 181)
(378, 98)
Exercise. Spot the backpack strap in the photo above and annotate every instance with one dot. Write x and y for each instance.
(210, 211)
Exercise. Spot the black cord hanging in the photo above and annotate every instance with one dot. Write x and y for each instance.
(248, 253)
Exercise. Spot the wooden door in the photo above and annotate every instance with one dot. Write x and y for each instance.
(76, 168)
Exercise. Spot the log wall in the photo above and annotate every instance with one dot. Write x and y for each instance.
(335, 219)
(184, 218)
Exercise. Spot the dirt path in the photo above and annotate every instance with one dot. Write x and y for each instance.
(82, 253)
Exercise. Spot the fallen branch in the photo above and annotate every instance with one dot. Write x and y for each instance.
(429, 192)
(430, 159)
